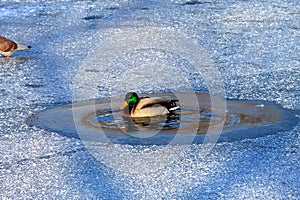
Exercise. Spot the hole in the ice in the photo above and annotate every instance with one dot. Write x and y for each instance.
(243, 119)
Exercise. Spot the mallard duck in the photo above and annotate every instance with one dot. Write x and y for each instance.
(134, 106)
(8, 47)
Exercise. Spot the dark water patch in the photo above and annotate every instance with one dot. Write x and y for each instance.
(94, 17)
(112, 8)
(191, 3)
(34, 85)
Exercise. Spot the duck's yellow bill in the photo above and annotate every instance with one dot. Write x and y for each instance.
(123, 105)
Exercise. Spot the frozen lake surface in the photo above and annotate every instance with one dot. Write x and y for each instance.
(254, 46)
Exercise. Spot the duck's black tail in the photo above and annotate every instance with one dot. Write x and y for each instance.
(173, 105)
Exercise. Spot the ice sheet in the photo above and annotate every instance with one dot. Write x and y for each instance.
(254, 45)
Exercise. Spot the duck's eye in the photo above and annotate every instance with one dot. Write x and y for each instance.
(132, 100)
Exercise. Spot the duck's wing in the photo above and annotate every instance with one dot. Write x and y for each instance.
(149, 102)
(7, 45)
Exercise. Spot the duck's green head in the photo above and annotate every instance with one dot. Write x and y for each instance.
(131, 99)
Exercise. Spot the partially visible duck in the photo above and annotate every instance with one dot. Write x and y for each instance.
(8, 47)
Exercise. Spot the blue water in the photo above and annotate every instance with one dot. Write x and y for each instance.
(254, 45)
